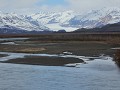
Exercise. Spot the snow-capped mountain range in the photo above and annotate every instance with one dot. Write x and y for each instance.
(67, 20)
(12, 20)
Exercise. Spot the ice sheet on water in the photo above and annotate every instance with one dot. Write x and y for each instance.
(11, 39)
(10, 43)
(22, 55)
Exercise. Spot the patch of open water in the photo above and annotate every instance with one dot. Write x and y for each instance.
(98, 74)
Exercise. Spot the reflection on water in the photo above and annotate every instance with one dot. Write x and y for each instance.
(98, 74)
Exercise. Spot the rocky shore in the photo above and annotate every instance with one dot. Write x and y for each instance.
(117, 57)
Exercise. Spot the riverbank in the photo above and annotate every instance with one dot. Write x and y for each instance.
(51, 46)
(3, 55)
(45, 61)
(76, 47)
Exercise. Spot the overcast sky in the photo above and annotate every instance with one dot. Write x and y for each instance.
(34, 6)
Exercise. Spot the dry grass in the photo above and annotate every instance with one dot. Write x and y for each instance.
(117, 55)
(21, 48)
(31, 50)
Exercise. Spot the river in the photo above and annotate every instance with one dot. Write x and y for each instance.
(95, 75)
(100, 73)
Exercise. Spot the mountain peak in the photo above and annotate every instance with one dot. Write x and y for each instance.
(17, 21)
(67, 20)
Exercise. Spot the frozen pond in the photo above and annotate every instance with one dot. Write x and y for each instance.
(10, 43)
(99, 74)
(12, 39)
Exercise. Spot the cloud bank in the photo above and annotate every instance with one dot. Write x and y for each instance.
(29, 6)
(92, 4)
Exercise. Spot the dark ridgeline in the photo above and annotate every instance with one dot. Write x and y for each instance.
(13, 31)
(107, 28)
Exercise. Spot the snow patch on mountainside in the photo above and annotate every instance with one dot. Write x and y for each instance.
(54, 21)
(66, 20)
(15, 21)
(47, 18)
(71, 20)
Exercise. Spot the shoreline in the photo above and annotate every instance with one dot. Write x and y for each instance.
(49, 59)
(38, 46)
(3, 55)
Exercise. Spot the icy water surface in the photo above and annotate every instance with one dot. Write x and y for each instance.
(98, 74)
(12, 39)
